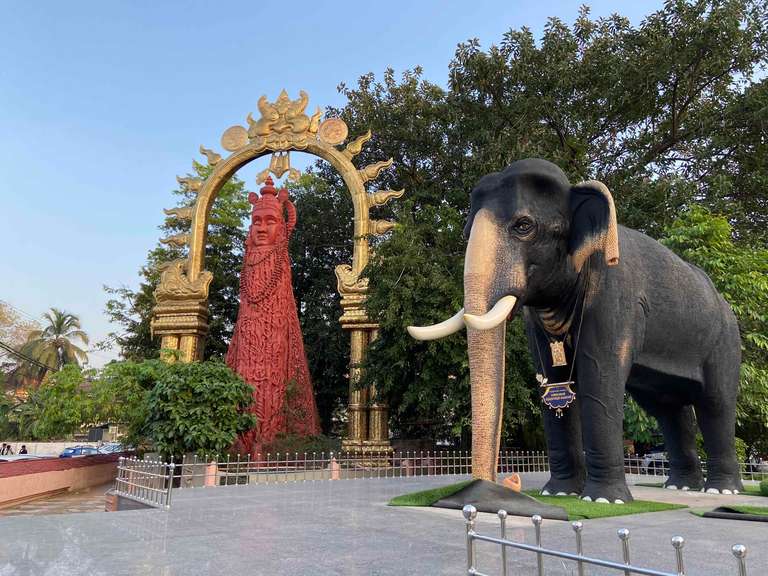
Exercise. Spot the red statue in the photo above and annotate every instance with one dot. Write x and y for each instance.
(267, 349)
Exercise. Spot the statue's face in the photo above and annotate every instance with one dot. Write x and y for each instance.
(265, 227)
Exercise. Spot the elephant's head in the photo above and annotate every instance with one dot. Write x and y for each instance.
(530, 233)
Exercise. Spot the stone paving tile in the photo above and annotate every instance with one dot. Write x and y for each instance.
(340, 527)
(90, 500)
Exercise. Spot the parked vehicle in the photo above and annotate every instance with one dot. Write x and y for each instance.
(75, 451)
(655, 461)
(19, 457)
(111, 448)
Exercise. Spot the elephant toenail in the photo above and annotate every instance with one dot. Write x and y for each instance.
(618, 501)
(545, 492)
(685, 488)
(587, 499)
(726, 491)
(713, 491)
(671, 487)
(602, 500)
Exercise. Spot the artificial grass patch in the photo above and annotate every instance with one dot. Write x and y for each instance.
(749, 489)
(578, 509)
(428, 497)
(760, 510)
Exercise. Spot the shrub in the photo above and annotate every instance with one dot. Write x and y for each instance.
(764, 487)
(197, 407)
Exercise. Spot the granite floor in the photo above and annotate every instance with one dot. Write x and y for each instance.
(89, 500)
(344, 527)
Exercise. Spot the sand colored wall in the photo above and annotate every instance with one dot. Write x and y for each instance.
(22, 481)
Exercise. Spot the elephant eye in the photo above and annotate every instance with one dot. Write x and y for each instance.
(523, 226)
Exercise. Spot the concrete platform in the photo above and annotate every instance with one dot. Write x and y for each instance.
(342, 527)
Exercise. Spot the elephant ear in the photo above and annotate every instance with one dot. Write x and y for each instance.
(593, 224)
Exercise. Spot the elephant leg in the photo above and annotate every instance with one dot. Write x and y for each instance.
(565, 452)
(564, 447)
(678, 425)
(716, 413)
(601, 381)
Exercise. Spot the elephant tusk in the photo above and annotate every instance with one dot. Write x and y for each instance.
(444, 328)
(494, 316)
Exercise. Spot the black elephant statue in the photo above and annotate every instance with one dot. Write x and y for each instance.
(647, 323)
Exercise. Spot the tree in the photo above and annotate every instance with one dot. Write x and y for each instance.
(322, 240)
(668, 113)
(740, 273)
(664, 113)
(54, 345)
(197, 407)
(14, 331)
(59, 407)
(120, 396)
(132, 309)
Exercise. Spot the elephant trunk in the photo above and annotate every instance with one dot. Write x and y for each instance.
(485, 346)
(486, 373)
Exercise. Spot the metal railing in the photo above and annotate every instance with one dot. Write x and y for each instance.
(150, 482)
(199, 471)
(626, 567)
(300, 467)
(645, 466)
(147, 481)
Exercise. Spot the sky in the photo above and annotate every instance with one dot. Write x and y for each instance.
(102, 104)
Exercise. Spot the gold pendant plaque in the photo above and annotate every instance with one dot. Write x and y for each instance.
(558, 354)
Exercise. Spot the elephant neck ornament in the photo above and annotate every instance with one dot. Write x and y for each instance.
(649, 324)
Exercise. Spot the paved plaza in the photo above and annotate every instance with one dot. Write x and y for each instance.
(344, 527)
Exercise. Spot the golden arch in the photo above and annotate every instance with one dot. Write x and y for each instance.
(181, 310)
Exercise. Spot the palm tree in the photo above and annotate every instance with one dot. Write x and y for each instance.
(54, 345)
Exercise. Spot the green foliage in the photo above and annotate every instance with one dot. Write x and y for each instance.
(57, 408)
(638, 424)
(54, 344)
(197, 407)
(321, 241)
(120, 396)
(764, 488)
(739, 270)
(669, 114)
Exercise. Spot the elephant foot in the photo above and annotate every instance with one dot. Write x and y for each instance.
(723, 484)
(615, 492)
(562, 486)
(684, 482)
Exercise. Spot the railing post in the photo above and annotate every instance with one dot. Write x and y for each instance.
(536, 519)
(171, 467)
(577, 528)
(677, 543)
(470, 513)
(740, 552)
(503, 529)
(624, 537)
(120, 467)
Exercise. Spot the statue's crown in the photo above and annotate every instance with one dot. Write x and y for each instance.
(269, 198)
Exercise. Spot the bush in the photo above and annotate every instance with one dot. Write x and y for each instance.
(764, 487)
(199, 407)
